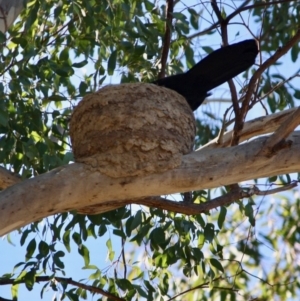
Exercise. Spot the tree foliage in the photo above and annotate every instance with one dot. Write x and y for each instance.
(57, 52)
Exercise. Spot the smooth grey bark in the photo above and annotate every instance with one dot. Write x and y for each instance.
(9, 11)
(77, 185)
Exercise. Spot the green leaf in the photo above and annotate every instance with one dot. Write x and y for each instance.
(57, 261)
(120, 233)
(43, 248)
(207, 49)
(249, 213)
(297, 94)
(90, 267)
(4, 118)
(32, 15)
(84, 252)
(77, 239)
(128, 225)
(137, 220)
(201, 220)
(80, 64)
(2, 37)
(124, 284)
(272, 179)
(221, 218)
(29, 279)
(164, 284)
(198, 254)
(215, 263)
(96, 219)
(209, 232)
(55, 97)
(189, 54)
(142, 29)
(179, 16)
(24, 236)
(111, 64)
(44, 289)
(66, 240)
(14, 291)
(72, 296)
(96, 275)
(157, 237)
(295, 52)
(223, 13)
(140, 291)
(20, 41)
(194, 18)
(102, 230)
(63, 70)
(64, 54)
(111, 253)
(82, 88)
(30, 249)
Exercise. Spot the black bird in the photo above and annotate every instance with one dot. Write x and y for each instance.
(215, 69)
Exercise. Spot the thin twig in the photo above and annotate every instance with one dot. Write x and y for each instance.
(253, 82)
(235, 13)
(217, 11)
(270, 61)
(205, 285)
(253, 128)
(285, 187)
(233, 195)
(123, 254)
(219, 138)
(224, 33)
(167, 38)
(277, 86)
(262, 4)
(89, 288)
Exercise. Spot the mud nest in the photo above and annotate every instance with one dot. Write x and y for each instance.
(132, 129)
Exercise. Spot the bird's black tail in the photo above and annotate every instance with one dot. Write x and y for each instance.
(224, 64)
(214, 70)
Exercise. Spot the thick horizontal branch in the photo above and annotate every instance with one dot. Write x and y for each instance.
(77, 185)
(253, 128)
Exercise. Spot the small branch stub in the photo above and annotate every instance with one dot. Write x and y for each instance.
(132, 130)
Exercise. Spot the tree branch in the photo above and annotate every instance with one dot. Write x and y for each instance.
(277, 140)
(252, 84)
(78, 185)
(239, 10)
(167, 38)
(257, 191)
(253, 128)
(89, 288)
(4, 299)
(234, 188)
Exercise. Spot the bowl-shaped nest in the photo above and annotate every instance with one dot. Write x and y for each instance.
(132, 129)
